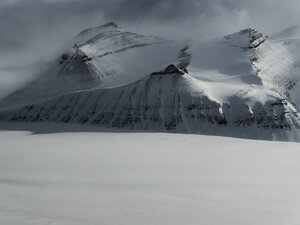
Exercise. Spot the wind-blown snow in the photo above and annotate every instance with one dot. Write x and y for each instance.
(55, 175)
(290, 39)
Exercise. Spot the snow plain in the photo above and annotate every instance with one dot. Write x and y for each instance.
(75, 175)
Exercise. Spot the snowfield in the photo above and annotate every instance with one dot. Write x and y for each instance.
(73, 175)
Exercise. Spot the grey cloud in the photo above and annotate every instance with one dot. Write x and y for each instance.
(27, 20)
(36, 30)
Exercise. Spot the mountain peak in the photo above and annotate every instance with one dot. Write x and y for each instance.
(113, 78)
(170, 70)
(104, 27)
(110, 24)
(246, 39)
(90, 33)
(248, 31)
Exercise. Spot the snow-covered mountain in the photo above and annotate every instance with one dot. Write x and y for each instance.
(290, 39)
(105, 56)
(244, 84)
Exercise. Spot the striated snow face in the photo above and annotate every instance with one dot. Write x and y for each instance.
(170, 100)
(239, 85)
(90, 33)
(290, 39)
(105, 56)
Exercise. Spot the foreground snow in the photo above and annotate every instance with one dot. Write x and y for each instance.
(57, 175)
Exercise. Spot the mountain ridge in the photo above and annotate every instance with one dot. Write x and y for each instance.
(172, 90)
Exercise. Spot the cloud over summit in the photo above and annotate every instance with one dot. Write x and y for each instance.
(35, 30)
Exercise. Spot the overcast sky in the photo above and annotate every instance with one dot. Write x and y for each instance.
(34, 30)
(38, 24)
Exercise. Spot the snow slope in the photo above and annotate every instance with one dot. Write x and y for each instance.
(170, 100)
(292, 32)
(246, 60)
(244, 84)
(100, 57)
(51, 174)
(290, 38)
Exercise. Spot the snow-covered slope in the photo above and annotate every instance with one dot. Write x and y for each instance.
(290, 39)
(247, 59)
(170, 100)
(53, 174)
(292, 32)
(239, 85)
(102, 56)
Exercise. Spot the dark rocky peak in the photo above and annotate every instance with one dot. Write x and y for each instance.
(170, 70)
(110, 24)
(255, 38)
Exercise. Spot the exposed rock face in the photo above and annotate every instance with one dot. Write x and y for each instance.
(97, 54)
(275, 66)
(94, 43)
(171, 69)
(256, 38)
(79, 65)
(246, 39)
(165, 97)
(271, 60)
(160, 102)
